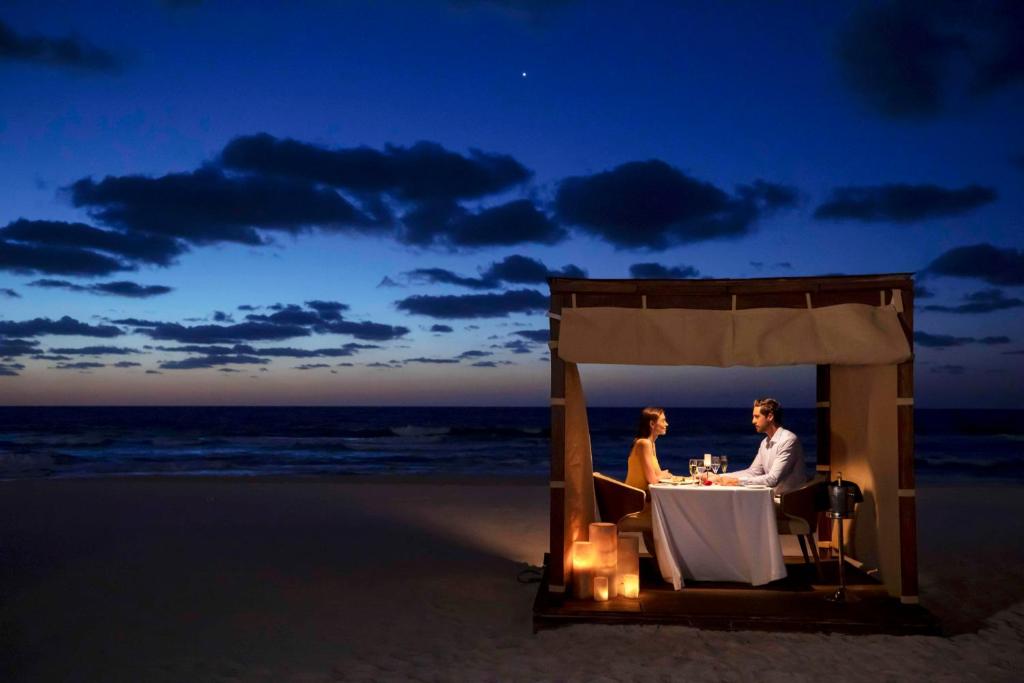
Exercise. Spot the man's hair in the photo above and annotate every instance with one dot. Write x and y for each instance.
(769, 406)
(645, 425)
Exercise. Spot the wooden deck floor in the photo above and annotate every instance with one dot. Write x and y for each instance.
(796, 603)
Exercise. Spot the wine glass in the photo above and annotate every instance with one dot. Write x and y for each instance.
(723, 463)
(715, 464)
(701, 470)
(693, 467)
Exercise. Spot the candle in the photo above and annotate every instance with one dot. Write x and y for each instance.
(707, 460)
(600, 588)
(604, 537)
(583, 569)
(628, 561)
(631, 585)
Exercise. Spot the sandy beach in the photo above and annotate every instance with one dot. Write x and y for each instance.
(415, 579)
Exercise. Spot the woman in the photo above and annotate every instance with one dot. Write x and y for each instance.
(643, 468)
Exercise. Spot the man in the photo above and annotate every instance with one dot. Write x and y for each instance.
(780, 458)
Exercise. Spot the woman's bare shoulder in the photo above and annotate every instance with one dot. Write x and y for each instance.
(644, 445)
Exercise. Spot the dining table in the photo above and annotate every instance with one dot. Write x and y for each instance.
(716, 533)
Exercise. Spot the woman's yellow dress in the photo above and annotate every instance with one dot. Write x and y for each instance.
(635, 476)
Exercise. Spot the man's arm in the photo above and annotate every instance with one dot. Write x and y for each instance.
(785, 456)
(756, 468)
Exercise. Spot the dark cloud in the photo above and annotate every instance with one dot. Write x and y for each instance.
(328, 310)
(910, 59)
(983, 261)
(222, 317)
(922, 292)
(942, 341)
(137, 322)
(51, 357)
(311, 366)
(211, 361)
(64, 326)
(656, 271)
(536, 336)
(425, 171)
(522, 270)
(130, 289)
(516, 346)
(325, 318)
(939, 341)
(448, 224)
(367, 331)
(96, 351)
(31, 258)
(7, 370)
(153, 372)
(349, 349)
(17, 347)
(474, 354)
(443, 329)
(388, 282)
(434, 361)
(902, 203)
(290, 315)
(446, 277)
(985, 301)
(155, 249)
(651, 204)
(513, 269)
(118, 288)
(67, 52)
(9, 292)
(127, 364)
(475, 305)
(381, 365)
(206, 206)
(485, 364)
(83, 365)
(218, 334)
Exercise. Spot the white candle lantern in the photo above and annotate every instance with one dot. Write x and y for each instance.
(707, 460)
(583, 569)
(601, 588)
(631, 585)
(604, 536)
(628, 561)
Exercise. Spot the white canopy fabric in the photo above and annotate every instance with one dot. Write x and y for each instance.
(845, 334)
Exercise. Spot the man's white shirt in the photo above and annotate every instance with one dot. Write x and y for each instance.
(779, 463)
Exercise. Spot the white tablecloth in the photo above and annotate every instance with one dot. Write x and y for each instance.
(716, 533)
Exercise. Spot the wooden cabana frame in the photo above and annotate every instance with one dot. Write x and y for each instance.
(738, 295)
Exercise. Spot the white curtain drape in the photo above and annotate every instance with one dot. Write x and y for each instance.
(846, 334)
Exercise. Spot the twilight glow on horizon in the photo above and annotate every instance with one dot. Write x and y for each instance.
(357, 203)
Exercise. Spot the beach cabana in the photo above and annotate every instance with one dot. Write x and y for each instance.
(856, 330)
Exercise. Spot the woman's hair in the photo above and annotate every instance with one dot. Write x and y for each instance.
(648, 416)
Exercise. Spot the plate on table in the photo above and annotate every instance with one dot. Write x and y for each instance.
(757, 487)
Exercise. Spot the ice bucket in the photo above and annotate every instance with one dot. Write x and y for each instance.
(842, 496)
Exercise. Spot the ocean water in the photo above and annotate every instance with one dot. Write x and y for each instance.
(951, 445)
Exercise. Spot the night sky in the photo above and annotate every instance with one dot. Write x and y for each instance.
(357, 203)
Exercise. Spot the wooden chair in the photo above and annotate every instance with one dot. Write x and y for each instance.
(798, 514)
(625, 506)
